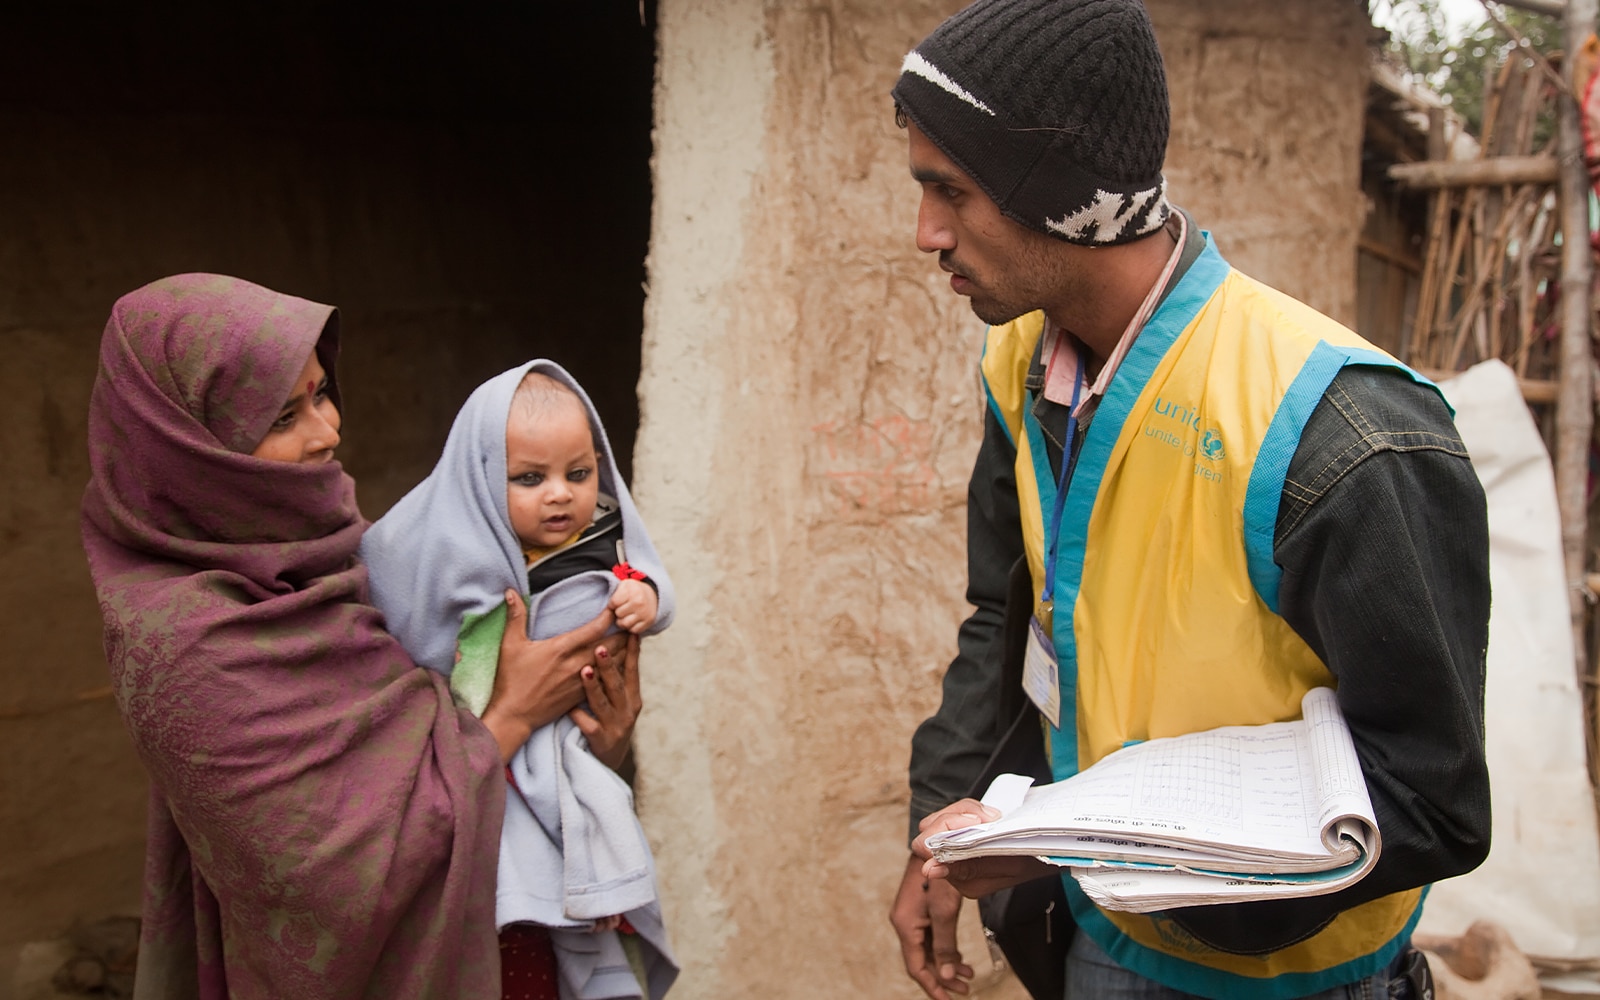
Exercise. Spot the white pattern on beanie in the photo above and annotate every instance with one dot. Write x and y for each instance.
(917, 65)
(1109, 214)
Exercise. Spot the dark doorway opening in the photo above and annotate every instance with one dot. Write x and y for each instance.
(469, 183)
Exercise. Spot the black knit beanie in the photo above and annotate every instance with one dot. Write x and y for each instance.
(1056, 108)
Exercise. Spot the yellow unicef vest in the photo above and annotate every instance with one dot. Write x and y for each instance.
(1165, 618)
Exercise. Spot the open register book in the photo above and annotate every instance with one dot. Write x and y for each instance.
(1226, 815)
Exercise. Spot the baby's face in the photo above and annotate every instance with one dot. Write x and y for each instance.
(551, 468)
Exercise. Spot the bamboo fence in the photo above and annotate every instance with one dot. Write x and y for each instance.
(1492, 254)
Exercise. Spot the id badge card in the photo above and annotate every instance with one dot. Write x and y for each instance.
(1041, 676)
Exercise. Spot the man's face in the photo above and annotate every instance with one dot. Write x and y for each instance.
(1003, 267)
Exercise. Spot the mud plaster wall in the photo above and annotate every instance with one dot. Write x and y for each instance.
(360, 164)
(809, 416)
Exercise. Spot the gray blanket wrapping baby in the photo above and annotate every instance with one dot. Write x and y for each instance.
(572, 850)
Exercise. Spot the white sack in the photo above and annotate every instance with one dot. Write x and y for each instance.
(1542, 879)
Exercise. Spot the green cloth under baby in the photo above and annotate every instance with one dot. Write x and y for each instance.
(478, 656)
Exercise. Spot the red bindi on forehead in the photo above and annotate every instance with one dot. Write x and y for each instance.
(311, 388)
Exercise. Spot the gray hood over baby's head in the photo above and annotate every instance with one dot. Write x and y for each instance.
(447, 549)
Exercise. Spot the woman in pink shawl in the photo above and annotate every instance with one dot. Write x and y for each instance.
(324, 820)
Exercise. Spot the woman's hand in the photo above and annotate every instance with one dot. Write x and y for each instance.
(536, 682)
(614, 704)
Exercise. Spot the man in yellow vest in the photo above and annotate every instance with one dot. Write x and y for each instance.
(1222, 498)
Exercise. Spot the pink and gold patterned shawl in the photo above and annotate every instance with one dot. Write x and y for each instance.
(324, 821)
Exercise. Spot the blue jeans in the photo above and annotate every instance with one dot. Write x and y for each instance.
(1092, 975)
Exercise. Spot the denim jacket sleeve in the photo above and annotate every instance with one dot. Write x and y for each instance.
(1382, 535)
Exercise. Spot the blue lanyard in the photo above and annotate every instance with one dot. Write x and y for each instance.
(1048, 598)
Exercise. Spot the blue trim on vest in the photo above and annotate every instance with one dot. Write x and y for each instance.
(1063, 748)
(1265, 490)
(999, 416)
(1189, 977)
(988, 394)
(1174, 315)
(1378, 359)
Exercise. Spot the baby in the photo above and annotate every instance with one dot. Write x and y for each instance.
(526, 496)
(559, 515)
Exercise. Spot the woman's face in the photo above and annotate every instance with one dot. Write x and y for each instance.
(307, 428)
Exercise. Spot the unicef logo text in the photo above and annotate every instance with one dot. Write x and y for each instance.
(1209, 447)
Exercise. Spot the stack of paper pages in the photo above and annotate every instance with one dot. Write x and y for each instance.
(1225, 815)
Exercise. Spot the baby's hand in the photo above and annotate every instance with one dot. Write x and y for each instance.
(606, 924)
(634, 604)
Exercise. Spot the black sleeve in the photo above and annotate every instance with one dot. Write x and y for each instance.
(951, 747)
(1382, 536)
